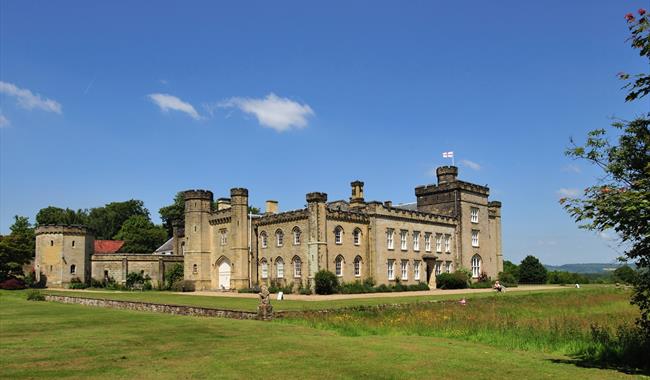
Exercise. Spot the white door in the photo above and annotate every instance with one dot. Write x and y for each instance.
(224, 275)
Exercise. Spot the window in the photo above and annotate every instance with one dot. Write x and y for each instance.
(265, 269)
(297, 267)
(438, 243)
(448, 267)
(357, 266)
(389, 238)
(438, 267)
(296, 236)
(338, 235)
(195, 269)
(427, 242)
(473, 212)
(224, 236)
(474, 238)
(73, 243)
(402, 239)
(73, 269)
(265, 239)
(279, 267)
(182, 248)
(416, 270)
(105, 274)
(51, 243)
(391, 269)
(476, 266)
(356, 235)
(447, 243)
(405, 270)
(416, 240)
(338, 265)
(279, 238)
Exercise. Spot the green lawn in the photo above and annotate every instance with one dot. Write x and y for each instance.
(51, 340)
(250, 304)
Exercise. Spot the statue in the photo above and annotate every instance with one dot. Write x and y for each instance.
(264, 310)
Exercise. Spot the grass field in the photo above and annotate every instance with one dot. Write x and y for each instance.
(250, 304)
(51, 340)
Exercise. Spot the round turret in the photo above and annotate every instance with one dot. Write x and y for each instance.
(447, 174)
(198, 194)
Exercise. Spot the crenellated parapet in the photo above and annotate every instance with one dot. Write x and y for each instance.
(64, 229)
(287, 216)
(347, 216)
(378, 209)
(424, 190)
(198, 194)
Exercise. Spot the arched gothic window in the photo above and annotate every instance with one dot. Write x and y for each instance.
(357, 266)
(338, 235)
(297, 267)
(296, 236)
(338, 265)
(476, 266)
(279, 267)
(279, 238)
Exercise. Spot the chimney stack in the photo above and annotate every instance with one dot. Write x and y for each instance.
(271, 207)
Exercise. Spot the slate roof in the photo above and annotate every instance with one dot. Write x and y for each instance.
(167, 246)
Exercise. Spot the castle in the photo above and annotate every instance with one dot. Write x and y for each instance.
(452, 224)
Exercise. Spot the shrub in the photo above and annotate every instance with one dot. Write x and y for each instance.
(76, 283)
(183, 286)
(134, 279)
(356, 288)
(508, 279)
(531, 271)
(628, 347)
(12, 284)
(30, 280)
(35, 295)
(95, 283)
(456, 280)
(481, 285)
(326, 282)
(418, 286)
(173, 274)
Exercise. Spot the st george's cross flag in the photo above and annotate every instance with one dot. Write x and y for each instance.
(447, 154)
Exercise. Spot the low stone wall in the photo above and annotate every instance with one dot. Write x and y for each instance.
(154, 307)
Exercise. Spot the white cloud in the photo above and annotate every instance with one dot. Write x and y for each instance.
(168, 102)
(29, 100)
(471, 164)
(571, 168)
(281, 114)
(4, 122)
(564, 192)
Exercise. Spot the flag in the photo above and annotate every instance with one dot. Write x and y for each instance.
(447, 154)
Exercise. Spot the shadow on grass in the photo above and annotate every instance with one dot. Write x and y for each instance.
(579, 361)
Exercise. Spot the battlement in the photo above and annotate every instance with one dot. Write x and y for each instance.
(239, 191)
(447, 174)
(198, 194)
(65, 229)
(378, 209)
(316, 197)
(447, 186)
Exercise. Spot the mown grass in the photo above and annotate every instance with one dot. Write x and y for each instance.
(545, 322)
(250, 304)
(51, 340)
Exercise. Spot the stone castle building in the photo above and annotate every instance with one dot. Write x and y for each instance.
(452, 224)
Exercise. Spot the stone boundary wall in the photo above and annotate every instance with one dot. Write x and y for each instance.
(154, 307)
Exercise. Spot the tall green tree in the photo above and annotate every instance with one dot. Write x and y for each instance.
(174, 213)
(140, 235)
(620, 201)
(57, 215)
(108, 220)
(531, 271)
(17, 248)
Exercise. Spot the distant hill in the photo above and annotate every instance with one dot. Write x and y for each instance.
(585, 268)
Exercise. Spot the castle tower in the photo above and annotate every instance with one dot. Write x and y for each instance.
(198, 206)
(357, 200)
(63, 253)
(317, 234)
(239, 235)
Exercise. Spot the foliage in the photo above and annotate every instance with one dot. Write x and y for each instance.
(626, 275)
(456, 280)
(482, 285)
(531, 271)
(512, 269)
(621, 199)
(136, 280)
(108, 220)
(563, 278)
(13, 284)
(35, 295)
(95, 283)
(174, 274)
(17, 248)
(140, 235)
(57, 215)
(76, 283)
(326, 282)
(174, 213)
(30, 280)
(183, 286)
(508, 279)
(627, 348)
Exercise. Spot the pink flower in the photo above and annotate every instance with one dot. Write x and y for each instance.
(629, 17)
(641, 12)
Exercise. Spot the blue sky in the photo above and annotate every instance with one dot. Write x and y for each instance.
(108, 101)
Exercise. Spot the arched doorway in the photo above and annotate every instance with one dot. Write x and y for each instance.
(224, 275)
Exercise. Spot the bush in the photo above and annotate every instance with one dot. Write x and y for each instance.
(326, 282)
(507, 279)
(456, 280)
(76, 283)
(481, 285)
(12, 284)
(35, 295)
(174, 274)
(531, 271)
(629, 347)
(30, 280)
(183, 286)
(95, 283)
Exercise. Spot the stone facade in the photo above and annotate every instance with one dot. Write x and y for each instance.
(451, 225)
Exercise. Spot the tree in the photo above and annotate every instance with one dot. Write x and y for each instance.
(17, 248)
(174, 213)
(620, 201)
(57, 215)
(531, 271)
(511, 269)
(625, 274)
(108, 220)
(140, 235)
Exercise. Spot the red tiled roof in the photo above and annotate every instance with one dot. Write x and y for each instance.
(108, 246)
